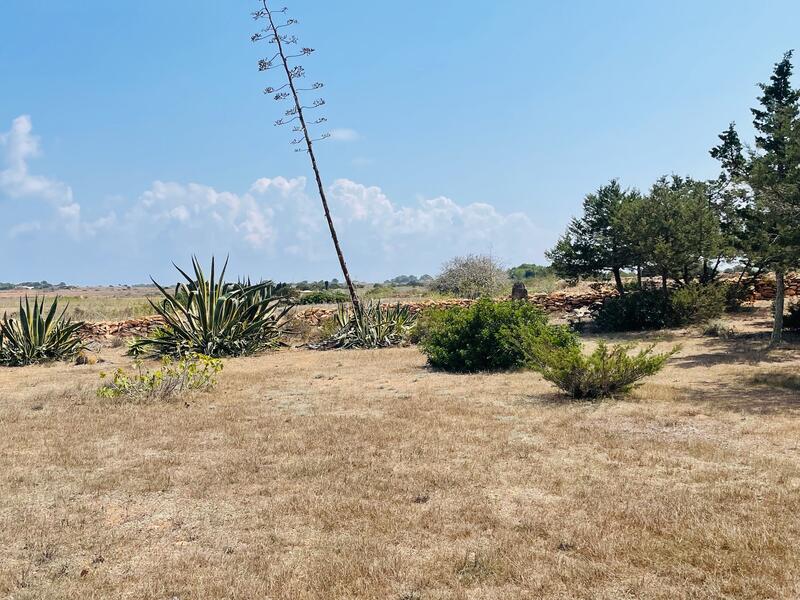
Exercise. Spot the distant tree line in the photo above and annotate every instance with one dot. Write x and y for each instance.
(33, 285)
(684, 230)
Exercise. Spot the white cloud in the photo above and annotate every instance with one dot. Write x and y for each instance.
(278, 222)
(19, 146)
(344, 135)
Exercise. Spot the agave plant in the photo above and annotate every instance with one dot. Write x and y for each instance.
(370, 326)
(37, 335)
(211, 317)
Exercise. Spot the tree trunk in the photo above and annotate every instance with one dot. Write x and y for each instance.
(639, 277)
(777, 328)
(618, 281)
(664, 288)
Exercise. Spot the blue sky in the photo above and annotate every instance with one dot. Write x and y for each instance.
(134, 134)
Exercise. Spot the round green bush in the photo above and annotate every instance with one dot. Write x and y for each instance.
(324, 297)
(486, 335)
(638, 310)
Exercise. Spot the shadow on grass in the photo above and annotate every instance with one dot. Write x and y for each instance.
(746, 348)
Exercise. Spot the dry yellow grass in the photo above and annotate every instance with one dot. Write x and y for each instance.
(362, 474)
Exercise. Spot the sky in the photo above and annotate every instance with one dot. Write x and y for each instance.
(135, 134)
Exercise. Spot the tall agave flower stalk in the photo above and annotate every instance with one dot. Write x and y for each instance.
(297, 112)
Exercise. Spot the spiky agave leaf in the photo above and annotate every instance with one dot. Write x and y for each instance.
(369, 326)
(37, 335)
(209, 316)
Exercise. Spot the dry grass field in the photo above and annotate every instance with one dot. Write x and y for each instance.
(363, 474)
(91, 304)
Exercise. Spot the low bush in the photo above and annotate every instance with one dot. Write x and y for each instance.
(791, 321)
(192, 372)
(37, 336)
(606, 372)
(471, 277)
(718, 329)
(324, 297)
(635, 311)
(735, 296)
(695, 303)
(373, 325)
(485, 336)
(638, 310)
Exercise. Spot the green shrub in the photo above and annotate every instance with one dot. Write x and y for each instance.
(604, 373)
(192, 372)
(374, 325)
(735, 296)
(638, 310)
(37, 335)
(635, 311)
(485, 336)
(215, 318)
(324, 297)
(792, 320)
(695, 303)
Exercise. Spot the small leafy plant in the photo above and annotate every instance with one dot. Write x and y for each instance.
(606, 372)
(718, 329)
(485, 336)
(373, 325)
(37, 336)
(215, 318)
(192, 372)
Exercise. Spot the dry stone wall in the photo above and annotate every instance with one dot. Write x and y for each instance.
(563, 302)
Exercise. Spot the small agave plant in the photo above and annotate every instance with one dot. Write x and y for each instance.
(37, 336)
(211, 317)
(371, 326)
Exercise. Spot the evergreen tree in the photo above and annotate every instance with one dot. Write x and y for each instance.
(774, 175)
(678, 230)
(596, 242)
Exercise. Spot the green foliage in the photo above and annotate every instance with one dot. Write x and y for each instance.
(529, 271)
(324, 297)
(373, 325)
(792, 320)
(211, 317)
(678, 229)
(606, 372)
(472, 276)
(598, 242)
(695, 303)
(635, 311)
(638, 310)
(484, 336)
(764, 182)
(191, 372)
(37, 335)
(408, 280)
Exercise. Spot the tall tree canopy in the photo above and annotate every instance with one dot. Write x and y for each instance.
(765, 182)
(596, 242)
